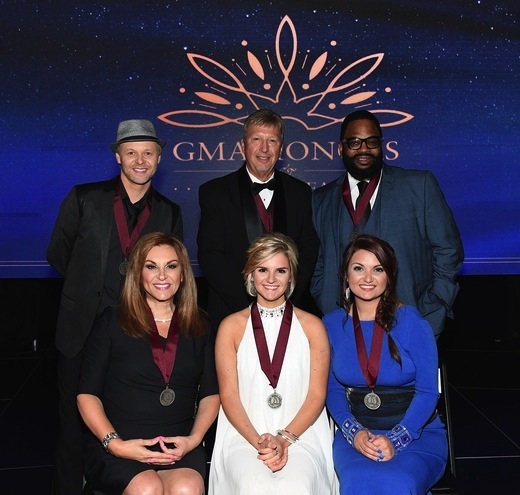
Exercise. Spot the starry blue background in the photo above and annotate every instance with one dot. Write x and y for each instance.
(70, 71)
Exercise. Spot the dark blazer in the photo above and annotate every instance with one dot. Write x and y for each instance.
(229, 223)
(78, 250)
(411, 213)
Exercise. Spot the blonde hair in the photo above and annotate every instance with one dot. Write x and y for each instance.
(134, 310)
(264, 118)
(264, 248)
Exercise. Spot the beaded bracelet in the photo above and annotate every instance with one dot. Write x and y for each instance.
(108, 438)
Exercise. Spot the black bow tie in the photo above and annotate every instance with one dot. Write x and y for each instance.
(257, 187)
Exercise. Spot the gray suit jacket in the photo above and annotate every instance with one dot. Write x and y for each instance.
(78, 250)
(411, 213)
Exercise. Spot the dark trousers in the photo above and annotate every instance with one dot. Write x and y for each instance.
(68, 468)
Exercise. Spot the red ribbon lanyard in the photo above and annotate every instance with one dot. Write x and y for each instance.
(164, 357)
(357, 214)
(127, 241)
(369, 365)
(272, 369)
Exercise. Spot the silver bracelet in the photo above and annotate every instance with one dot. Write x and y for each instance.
(108, 438)
(283, 435)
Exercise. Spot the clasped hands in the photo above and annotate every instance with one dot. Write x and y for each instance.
(272, 451)
(160, 451)
(378, 448)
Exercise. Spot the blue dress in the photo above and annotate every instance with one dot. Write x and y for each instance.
(421, 464)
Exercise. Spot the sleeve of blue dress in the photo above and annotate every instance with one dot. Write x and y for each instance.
(415, 338)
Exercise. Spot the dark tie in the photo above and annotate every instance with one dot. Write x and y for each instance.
(257, 187)
(362, 185)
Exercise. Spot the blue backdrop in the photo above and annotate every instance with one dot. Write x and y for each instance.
(441, 75)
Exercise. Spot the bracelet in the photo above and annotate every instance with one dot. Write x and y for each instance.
(285, 434)
(400, 437)
(296, 437)
(108, 438)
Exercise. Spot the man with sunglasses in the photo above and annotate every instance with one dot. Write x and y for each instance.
(404, 207)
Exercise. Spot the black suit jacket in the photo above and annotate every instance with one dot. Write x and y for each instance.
(230, 222)
(78, 250)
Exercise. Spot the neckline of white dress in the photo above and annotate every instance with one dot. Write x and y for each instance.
(271, 312)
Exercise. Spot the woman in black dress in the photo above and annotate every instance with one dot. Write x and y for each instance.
(148, 391)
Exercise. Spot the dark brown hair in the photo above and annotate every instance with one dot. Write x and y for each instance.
(388, 303)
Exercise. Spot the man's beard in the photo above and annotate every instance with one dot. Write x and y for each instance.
(366, 173)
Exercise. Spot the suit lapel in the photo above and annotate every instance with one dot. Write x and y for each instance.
(106, 221)
(376, 222)
(252, 220)
(280, 208)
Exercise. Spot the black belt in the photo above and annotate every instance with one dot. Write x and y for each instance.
(394, 404)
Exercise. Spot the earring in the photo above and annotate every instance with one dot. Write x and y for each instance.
(252, 288)
(288, 290)
(347, 293)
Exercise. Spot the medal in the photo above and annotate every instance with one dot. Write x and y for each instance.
(274, 401)
(168, 396)
(123, 267)
(372, 401)
(126, 240)
(164, 357)
(272, 369)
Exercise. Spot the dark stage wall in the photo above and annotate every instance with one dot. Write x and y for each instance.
(487, 311)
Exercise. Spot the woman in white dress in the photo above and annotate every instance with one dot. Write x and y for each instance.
(272, 360)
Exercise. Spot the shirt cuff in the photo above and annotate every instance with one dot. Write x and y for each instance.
(400, 438)
(349, 429)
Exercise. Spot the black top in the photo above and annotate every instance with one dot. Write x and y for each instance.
(120, 370)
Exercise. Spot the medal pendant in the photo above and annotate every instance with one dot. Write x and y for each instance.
(274, 401)
(123, 267)
(167, 397)
(372, 401)
(353, 235)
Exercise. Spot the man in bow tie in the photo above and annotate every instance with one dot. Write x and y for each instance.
(239, 207)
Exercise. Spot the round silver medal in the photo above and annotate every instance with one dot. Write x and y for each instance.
(372, 401)
(353, 235)
(123, 267)
(167, 397)
(274, 401)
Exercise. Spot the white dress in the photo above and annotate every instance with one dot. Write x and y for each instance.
(235, 469)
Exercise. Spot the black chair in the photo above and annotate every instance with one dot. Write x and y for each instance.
(447, 483)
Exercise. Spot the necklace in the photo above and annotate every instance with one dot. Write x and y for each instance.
(162, 320)
(271, 312)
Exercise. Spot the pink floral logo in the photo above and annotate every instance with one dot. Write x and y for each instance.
(316, 90)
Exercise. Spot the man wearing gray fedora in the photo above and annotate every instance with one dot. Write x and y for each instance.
(97, 225)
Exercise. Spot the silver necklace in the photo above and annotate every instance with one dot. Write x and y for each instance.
(271, 312)
(162, 320)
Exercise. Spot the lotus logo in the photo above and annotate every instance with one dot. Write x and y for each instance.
(314, 90)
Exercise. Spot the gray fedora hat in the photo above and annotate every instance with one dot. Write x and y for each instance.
(136, 130)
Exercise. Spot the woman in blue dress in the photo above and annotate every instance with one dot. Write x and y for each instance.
(382, 390)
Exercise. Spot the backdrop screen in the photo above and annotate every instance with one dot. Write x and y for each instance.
(442, 76)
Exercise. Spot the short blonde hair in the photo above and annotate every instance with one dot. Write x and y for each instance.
(264, 118)
(264, 248)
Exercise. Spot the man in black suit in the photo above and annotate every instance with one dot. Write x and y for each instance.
(97, 225)
(239, 207)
